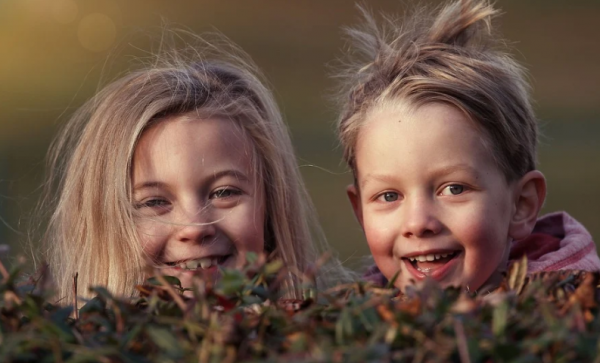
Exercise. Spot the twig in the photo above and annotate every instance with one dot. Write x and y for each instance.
(461, 342)
(176, 297)
(4, 272)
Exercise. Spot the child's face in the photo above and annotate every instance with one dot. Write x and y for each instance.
(430, 198)
(194, 186)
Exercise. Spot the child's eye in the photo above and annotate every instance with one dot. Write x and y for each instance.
(152, 203)
(226, 192)
(388, 196)
(453, 189)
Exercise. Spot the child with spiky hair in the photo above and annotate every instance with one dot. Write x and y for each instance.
(438, 130)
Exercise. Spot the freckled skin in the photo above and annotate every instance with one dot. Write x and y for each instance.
(426, 182)
(196, 192)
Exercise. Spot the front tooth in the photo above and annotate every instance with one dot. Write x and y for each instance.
(192, 264)
(430, 257)
(205, 262)
(421, 258)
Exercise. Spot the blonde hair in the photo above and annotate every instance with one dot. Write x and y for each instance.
(91, 229)
(450, 55)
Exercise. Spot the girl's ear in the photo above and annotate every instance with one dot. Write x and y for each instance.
(530, 193)
(354, 196)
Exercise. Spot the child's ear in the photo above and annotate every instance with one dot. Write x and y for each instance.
(530, 193)
(354, 196)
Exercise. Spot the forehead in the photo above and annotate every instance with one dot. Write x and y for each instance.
(195, 129)
(198, 144)
(420, 137)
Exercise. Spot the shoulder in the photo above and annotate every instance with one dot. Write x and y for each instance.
(374, 275)
(558, 242)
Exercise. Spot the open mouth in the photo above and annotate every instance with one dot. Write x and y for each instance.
(204, 263)
(431, 264)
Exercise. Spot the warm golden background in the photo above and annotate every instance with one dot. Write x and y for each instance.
(55, 53)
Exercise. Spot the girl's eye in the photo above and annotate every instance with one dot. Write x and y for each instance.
(225, 193)
(152, 203)
(389, 196)
(453, 189)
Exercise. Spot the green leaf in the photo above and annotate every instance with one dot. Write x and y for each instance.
(232, 281)
(172, 280)
(251, 257)
(273, 267)
(390, 284)
(165, 340)
(500, 317)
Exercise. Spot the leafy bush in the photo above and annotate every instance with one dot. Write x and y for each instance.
(542, 318)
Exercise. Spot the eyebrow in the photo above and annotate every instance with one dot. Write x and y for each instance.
(215, 176)
(446, 170)
(440, 172)
(386, 178)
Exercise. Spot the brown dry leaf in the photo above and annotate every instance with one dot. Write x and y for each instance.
(584, 295)
(464, 305)
(411, 306)
(292, 338)
(293, 305)
(386, 314)
(11, 299)
(517, 275)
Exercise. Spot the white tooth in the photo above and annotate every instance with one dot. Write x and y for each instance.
(192, 264)
(205, 262)
(430, 257)
(421, 258)
(182, 265)
(437, 257)
(412, 259)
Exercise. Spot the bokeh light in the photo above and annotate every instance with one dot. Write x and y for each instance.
(64, 11)
(96, 32)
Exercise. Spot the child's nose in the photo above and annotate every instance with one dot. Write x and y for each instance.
(196, 227)
(419, 219)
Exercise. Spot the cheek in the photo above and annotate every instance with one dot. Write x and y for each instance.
(380, 238)
(486, 246)
(153, 236)
(245, 227)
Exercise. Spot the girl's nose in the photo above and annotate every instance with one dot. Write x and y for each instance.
(419, 219)
(196, 228)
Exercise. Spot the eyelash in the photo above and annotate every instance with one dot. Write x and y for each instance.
(218, 194)
(152, 203)
(381, 197)
(463, 188)
(162, 202)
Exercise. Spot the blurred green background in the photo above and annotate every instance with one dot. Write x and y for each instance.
(56, 53)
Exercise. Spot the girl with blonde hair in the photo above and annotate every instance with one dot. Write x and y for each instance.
(187, 164)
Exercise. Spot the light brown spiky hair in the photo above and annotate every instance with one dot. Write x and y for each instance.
(451, 55)
(88, 194)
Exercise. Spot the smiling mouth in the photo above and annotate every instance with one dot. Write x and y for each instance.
(429, 263)
(204, 263)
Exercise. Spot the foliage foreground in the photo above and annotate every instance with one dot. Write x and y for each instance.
(541, 318)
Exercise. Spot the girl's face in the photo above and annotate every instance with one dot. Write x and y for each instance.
(430, 198)
(196, 193)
